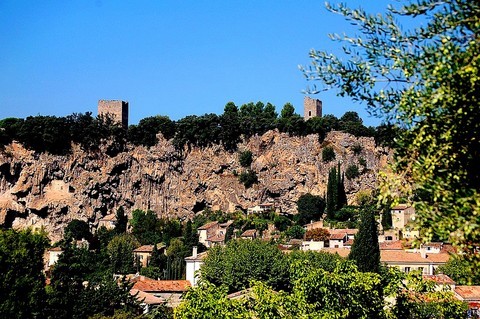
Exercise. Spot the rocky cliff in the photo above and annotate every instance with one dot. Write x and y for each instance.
(46, 190)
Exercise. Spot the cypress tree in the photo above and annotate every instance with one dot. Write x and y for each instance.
(365, 251)
(331, 193)
(342, 195)
(122, 221)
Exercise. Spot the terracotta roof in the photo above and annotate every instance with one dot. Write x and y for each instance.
(208, 225)
(228, 223)
(440, 279)
(468, 292)
(200, 256)
(391, 245)
(216, 238)
(56, 249)
(148, 248)
(348, 242)
(109, 217)
(434, 245)
(348, 231)
(401, 256)
(146, 284)
(342, 252)
(147, 298)
(249, 233)
(338, 236)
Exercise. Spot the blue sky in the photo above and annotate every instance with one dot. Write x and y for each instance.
(165, 57)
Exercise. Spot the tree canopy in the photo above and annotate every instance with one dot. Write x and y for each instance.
(426, 81)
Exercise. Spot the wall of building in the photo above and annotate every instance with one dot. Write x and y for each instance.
(311, 108)
(115, 108)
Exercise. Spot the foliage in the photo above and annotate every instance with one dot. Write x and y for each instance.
(336, 197)
(243, 260)
(309, 207)
(458, 268)
(357, 148)
(346, 213)
(248, 178)
(78, 229)
(295, 231)
(317, 234)
(424, 80)
(365, 251)
(281, 222)
(145, 133)
(120, 250)
(245, 158)
(22, 293)
(328, 154)
(352, 171)
(122, 221)
(302, 262)
(146, 227)
(119, 314)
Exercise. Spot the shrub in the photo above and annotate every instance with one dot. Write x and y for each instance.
(352, 172)
(318, 234)
(248, 178)
(362, 162)
(245, 158)
(328, 154)
(357, 148)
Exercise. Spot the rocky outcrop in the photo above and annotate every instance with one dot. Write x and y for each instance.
(43, 190)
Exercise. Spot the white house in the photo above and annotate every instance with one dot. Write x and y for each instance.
(193, 264)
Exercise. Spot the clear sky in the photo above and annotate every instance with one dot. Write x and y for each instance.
(167, 57)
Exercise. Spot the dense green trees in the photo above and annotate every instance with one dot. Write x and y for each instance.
(243, 260)
(120, 250)
(310, 208)
(78, 229)
(145, 133)
(22, 292)
(336, 197)
(426, 81)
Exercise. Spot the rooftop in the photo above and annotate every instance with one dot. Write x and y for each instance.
(148, 248)
(208, 225)
(468, 292)
(146, 284)
(401, 256)
(391, 245)
(440, 279)
(249, 233)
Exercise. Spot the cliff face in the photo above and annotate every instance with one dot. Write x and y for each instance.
(46, 190)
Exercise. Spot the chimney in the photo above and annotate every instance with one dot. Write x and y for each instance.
(194, 253)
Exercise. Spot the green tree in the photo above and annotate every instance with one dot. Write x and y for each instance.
(458, 268)
(365, 250)
(328, 154)
(78, 229)
(145, 133)
(122, 221)
(245, 158)
(309, 207)
(146, 227)
(336, 196)
(231, 128)
(295, 231)
(22, 283)
(248, 178)
(426, 81)
(352, 171)
(120, 250)
(243, 260)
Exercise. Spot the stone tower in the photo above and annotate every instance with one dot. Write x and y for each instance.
(116, 108)
(311, 108)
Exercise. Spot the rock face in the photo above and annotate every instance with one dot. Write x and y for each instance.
(43, 190)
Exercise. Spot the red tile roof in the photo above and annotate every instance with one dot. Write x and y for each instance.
(219, 238)
(148, 248)
(348, 242)
(401, 256)
(338, 236)
(146, 284)
(200, 256)
(147, 298)
(440, 279)
(348, 231)
(468, 293)
(391, 245)
(207, 225)
(401, 207)
(249, 233)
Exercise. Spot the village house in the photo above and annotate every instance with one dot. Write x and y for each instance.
(470, 295)
(144, 253)
(147, 301)
(313, 225)
(193, 264)
(108, 221)
(249, 234)
(409, 261)
(168, 290)
(213, 233)
(53, 255)
(403, 219)
(261, 208)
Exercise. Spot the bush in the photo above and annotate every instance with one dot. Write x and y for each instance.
(357, 148)
(317, 234)
(328, 154)
(352, 172)
(362, 162)
(248, 178)
(245, 158)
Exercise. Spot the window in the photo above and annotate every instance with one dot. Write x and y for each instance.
(309, 113)
(407, 270)
(388, 238)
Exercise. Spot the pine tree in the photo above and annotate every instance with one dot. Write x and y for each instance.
(365, 251)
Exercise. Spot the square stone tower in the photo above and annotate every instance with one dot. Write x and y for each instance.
(311, 108)
(116, 108)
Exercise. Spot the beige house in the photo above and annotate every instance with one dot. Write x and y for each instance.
(53, 255)
(169, 290)
(313, 225)
(403, 220)
(312, 245)
(213, 233)
(108, 221)
(409, 261)
(144, 253)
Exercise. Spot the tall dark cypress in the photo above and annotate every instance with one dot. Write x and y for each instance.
(365, 251)
(342, 195)
(332, 193)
